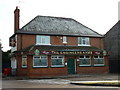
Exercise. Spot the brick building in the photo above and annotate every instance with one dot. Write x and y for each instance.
(112, 43)
(55, 46)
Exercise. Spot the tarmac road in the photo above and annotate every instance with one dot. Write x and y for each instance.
(58, 82)
(47, 83)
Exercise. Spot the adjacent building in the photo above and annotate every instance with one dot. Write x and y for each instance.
(56, 46)
(112, 43)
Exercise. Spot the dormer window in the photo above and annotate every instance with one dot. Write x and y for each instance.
(83, 41)
(64, 39)
(42, 40)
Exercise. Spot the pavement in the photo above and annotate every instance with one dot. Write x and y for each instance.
(70, 81)
(115, 83)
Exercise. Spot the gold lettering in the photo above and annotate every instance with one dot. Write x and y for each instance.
(60, 52)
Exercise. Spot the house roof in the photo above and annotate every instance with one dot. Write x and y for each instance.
(60, 48)
(48, 25)
(115, 29)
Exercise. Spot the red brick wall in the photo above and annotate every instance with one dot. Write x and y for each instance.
(93, 69)
(97, 42)
(21, 71)
(58, 40)
(48, 71)
(38, 72)
(28, 40)
(58, 71)
(18, 41)
(72, 41)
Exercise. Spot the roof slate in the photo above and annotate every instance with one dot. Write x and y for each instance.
(57, 26)
(60, 48)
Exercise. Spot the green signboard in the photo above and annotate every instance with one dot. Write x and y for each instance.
(37, 52)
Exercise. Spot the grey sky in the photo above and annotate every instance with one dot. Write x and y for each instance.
(99, 15)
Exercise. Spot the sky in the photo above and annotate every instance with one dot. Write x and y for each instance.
(99, 15)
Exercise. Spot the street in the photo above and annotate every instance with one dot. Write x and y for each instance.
(61, 82)
(45, 83)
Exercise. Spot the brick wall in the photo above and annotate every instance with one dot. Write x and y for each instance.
(38, 72)
(21, 71)
(28, 40)
(97, 42)
(59, 71)
(93, 69)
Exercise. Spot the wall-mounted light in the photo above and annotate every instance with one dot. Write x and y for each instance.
(61, 38)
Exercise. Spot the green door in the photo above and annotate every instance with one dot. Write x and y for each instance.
(71, 66)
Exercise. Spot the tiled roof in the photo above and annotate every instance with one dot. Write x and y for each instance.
(60, 48)
(115, 30)
(57, 26)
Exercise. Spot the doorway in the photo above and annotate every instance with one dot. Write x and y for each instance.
(71, 66)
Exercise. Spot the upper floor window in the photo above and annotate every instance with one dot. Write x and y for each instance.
(42, 40)
(83, 41)
(64, 39)
(24, 61)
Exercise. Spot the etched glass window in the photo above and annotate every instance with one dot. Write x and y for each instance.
(57, 61)
(98, 60)
(40, 61)
(84, 60)
(24, 61)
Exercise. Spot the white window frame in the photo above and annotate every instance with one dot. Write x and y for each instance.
(99, 58)
(24, 59)
(82, 39)
(42, 38)
(64, 39)
(63, 61)
(40, 59)
(84, 59)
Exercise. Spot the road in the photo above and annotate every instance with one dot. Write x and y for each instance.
(45, 83)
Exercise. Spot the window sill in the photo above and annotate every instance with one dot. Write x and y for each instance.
(99, 65)
(85, 65)
(40, 66)
(24, 67)
(58, 66)
(64, 42)
(82, 45)
(42, 44)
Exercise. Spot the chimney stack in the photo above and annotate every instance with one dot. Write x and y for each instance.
(16, 19)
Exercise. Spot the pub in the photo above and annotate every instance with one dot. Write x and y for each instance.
(55, 46)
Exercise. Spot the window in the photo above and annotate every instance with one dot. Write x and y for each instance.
(98, 60)
(64, 39)
(40, 61)
(24, 61)
(57, 61)
(84, 60)
(42, 40)
(83, 41)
